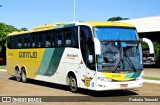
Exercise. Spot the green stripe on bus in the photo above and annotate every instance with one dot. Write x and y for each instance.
(136, 74)
(50, 61)
(129, 75)
(133, 75)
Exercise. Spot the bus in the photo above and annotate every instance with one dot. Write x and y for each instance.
(97, 56)
(149, 57)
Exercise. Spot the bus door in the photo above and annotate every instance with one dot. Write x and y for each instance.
(87, 69)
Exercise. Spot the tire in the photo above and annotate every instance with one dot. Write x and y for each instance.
(73, 84)
(24, 76)
(18, 75)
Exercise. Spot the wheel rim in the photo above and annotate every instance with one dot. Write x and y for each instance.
(73, 84)
(23, 76)
(18, 75)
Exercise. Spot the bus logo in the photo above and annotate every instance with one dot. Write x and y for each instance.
(87, 81)
(71, 56)
(27, 54)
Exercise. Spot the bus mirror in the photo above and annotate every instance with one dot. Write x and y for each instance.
(97, 46)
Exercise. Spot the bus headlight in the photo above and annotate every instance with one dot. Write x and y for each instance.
(139, 78)
(104, 79)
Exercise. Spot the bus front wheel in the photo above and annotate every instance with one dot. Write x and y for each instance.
(73, 84)
(24, 76)
(18, 75)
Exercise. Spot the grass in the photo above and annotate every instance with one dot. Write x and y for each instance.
(3, 67)
(151, 78)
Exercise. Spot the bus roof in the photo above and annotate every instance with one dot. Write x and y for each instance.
(68, 24)
(108, 23)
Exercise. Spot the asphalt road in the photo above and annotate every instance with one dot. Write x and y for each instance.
(10, 87)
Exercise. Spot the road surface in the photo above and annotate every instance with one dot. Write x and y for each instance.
(10, 87)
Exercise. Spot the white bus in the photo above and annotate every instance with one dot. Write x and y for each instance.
(91, 55)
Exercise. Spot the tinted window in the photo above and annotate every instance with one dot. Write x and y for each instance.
(66, 37)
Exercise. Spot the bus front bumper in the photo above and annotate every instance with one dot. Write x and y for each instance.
(102, 86)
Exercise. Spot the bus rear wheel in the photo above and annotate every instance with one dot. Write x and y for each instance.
(73, 84)
(18, 75)
(24, 76)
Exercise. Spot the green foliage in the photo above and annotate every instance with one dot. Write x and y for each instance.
(4, 31)
(152, 78)
(144, 45)
(157, 49)
(117, 18)
(23, 29)
(3, 67)
(0, 48)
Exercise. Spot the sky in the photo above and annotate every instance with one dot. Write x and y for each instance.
(32, 13)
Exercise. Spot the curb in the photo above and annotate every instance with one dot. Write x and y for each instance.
(152, 81)
(3, 70)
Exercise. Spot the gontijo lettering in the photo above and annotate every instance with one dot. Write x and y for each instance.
(27, 54)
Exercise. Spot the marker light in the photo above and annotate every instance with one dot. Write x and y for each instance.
(139, 78)
(104, 79)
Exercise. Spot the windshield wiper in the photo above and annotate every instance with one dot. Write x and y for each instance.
(130, 62)
(117, 65)
(121, 59)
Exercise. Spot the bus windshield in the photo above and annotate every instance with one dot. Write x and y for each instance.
(120, 49)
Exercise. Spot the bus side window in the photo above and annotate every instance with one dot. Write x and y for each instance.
(48, 39)
(62, 34)
(68, 37)
(33, 40)
(9, 42)
(75, 37)
(83, 44)
(59, 37)
(38, 40)
(29, 40)
(20, 39)
(26, 42)
(87, 47)
(53, 39)
(14, 41)
(43, 40)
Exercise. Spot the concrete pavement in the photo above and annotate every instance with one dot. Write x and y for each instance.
(148, 72)
(152, 72)
(3, 70)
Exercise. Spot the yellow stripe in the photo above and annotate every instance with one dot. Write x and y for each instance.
(31, 64)
(117, 76)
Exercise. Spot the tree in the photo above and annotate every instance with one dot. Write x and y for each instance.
(144, 45)
(4, 31)
(157, 50)
(117, 18)
(23, 29)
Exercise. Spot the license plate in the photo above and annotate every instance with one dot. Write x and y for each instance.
(124, 85)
